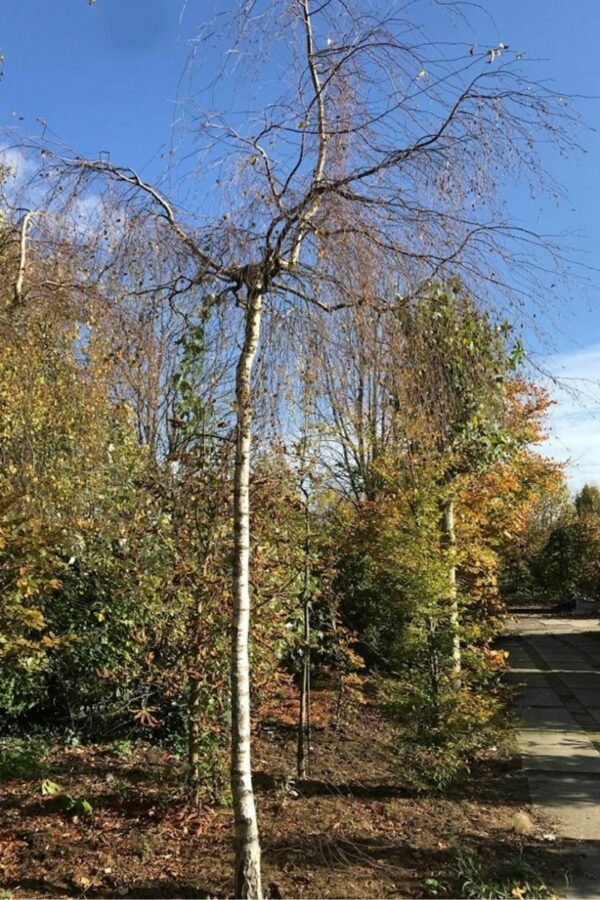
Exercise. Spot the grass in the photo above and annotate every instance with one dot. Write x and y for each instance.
(516, 878)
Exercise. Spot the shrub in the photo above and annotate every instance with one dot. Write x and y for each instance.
(440, 739)
(21, 760)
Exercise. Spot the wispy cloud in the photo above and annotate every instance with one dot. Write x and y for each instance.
(574, 421)
(85, 213)
(17, 167)
(20, 187)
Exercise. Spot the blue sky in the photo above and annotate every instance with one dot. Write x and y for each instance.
(106, 77)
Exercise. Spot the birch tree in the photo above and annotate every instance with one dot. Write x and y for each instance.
(457, 363)
(359, 139)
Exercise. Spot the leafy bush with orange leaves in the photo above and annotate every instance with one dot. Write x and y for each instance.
(394, 574)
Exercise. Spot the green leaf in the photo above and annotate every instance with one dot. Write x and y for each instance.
(49, 788)
(83, 807)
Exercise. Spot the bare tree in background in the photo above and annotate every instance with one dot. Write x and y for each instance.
(367, 141)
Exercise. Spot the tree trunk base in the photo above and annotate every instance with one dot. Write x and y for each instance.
(248, 876)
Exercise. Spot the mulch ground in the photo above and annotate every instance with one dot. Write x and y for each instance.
(352, 829)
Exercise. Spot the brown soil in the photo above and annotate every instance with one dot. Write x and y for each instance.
(351, 830)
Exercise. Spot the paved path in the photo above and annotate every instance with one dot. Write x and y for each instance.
(556, 663)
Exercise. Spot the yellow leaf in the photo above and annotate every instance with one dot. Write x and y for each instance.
(34, 618)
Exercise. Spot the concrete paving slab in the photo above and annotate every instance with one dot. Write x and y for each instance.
(587, 696)
(551, 737)
(558, 760)
(591, 651)
(550, 718)
(582, 680)
(542, 696)
(573, 800)
(523, 678)
(569, 664)
(564, 661)
(521, 659)
(594, 712)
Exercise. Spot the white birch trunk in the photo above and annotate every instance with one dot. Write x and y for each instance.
(450, 534)
(247, 845)
(18, 293)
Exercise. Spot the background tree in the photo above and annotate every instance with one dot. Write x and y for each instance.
(458, 363)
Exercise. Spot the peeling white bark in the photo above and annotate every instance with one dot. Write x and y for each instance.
(247, 846)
